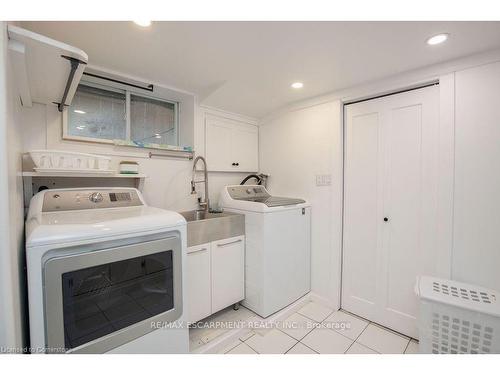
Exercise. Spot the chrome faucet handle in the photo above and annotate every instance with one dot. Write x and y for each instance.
(203, 204)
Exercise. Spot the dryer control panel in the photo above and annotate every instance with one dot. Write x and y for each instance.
(69, 200)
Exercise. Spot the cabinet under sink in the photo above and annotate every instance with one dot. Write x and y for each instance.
(215, 262)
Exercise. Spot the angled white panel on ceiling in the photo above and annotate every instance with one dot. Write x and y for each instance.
(46, 70)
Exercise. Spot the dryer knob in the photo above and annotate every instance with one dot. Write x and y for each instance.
(95, 197)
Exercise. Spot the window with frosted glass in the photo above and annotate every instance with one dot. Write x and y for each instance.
(152, 120)
(102, 114)
(98, 113)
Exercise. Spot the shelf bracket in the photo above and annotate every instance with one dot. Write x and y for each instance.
(75, 63)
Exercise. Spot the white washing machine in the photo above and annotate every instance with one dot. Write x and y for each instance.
(105, 273)
(278, 246)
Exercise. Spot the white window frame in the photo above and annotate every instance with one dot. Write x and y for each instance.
(122, 88)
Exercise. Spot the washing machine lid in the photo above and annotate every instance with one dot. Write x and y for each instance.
(67, 222)
(275, 201)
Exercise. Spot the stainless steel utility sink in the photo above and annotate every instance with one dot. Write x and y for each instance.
(203, 227)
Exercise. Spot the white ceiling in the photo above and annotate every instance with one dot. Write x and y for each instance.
(247, 67)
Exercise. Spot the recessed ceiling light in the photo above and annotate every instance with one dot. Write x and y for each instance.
(79, 111)
(437, 39)
(297, 85)
(143, 23)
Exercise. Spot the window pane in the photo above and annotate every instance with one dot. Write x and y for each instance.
(97, 113)
(152, 121)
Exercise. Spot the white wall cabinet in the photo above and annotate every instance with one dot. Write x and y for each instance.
(215, 276)
(390, 205)
(231, 146)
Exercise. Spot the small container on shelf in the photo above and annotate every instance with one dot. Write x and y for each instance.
(129, 167)
(103, 163)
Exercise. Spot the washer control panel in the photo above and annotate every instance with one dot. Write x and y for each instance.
(247, 192)
(68, 200)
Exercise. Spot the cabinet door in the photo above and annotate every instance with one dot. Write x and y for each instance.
(231, 146)
(228, 259)
(198, 282)
(245, 147)
(218, 144)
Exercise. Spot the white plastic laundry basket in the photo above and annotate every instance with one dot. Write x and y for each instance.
(457, 317)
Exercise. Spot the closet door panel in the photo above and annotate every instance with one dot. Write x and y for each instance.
(412, 136)
(404, 211)
(361, 236)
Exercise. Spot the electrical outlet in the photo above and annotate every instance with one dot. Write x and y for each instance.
(323, 179)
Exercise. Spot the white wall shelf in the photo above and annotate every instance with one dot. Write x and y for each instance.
(47, 71)
(80, 174)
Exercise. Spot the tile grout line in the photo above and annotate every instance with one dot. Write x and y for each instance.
(367, 347)
(356, 340)
(378, 325)
(294, 345)
(320, 323)
(287, 335)
(242, 343)
(309, 346)
(234, 347)
(255, 350)
(340, 333)
(314, 320)
(389, 331)
(291, 335)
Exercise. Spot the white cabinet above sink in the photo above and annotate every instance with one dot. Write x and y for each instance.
(231, 146)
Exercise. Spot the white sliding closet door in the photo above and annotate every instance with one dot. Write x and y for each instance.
(390, 205)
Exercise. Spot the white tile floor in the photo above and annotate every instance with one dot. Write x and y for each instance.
(203, 335)
(312, 329)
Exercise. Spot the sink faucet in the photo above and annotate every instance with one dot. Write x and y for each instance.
(203, 204)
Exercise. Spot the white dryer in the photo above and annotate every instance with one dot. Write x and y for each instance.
(278, 246)
(105, 273)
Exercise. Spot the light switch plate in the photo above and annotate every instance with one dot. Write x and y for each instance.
(323, 179)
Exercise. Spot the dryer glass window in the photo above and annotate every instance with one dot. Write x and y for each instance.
(103, 299)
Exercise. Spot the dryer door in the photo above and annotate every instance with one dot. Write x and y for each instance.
(98, 300)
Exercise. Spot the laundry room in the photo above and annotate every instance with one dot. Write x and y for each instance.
(287, 186)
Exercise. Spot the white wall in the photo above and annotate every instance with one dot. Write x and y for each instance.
(11, 208)
(296, 144)
(294, 148)
(168, 183)
(476, 255)
(40, 127)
